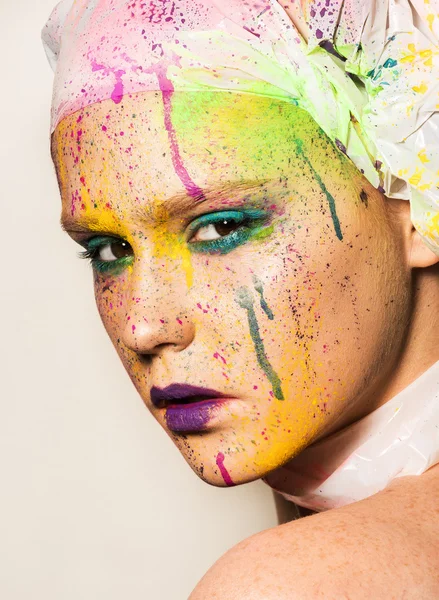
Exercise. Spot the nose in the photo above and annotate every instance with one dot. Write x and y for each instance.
(157, 317)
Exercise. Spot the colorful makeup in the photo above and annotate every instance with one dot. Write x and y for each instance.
(188, 408)
(186, 418)
(180, 392)
(244, 225)
(108, 254)
(227, 230)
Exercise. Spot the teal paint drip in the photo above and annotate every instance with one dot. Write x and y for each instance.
(245, 300)
(329, 196)
(259, 288)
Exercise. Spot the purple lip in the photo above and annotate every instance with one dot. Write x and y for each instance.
(177, 393)
(192, 417)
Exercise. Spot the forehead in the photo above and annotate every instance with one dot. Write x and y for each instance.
(151, 147)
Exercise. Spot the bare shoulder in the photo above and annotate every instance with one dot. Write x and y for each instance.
(384, 547)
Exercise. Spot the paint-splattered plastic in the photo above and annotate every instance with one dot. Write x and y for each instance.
(398, 439)
(366, 70)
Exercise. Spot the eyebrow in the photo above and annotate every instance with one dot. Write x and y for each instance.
(176, 205)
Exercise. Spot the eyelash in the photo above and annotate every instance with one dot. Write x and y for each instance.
(250, 223)
(114, 267)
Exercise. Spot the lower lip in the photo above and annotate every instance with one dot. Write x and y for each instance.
(184, 418)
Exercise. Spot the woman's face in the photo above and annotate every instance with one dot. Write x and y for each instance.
(235, 249)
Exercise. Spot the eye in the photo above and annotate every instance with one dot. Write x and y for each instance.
(113, 251)
(107, 254)
(222, 232)
(215, 231)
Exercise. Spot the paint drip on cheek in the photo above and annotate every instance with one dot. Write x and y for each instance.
(245, 300)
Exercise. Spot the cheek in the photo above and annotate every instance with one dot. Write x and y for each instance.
(115, 308)
(111, 301)
(288, 298)
(331, 307)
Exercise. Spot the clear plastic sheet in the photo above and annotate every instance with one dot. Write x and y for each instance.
(399, 438)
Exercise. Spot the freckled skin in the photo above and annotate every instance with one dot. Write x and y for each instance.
(332, 319)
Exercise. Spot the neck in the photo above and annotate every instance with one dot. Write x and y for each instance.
(420, 350)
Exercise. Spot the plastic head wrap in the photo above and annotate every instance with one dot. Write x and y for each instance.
(367, 71)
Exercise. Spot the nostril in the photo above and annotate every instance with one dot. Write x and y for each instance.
(147, 355)
(145, 359)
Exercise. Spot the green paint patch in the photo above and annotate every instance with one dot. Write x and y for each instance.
(263, 233)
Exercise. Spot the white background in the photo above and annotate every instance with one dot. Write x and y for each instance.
(95, 501)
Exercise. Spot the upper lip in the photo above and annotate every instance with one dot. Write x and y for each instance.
(181, 392)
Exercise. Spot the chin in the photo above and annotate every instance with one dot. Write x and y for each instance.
(222, 465)
(219, 475)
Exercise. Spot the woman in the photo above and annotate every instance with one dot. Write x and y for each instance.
(238, 175)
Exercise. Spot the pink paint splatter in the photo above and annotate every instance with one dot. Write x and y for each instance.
(225, 474)
(258, 35)
(203, 309)
(217, 355)
(167, 89)
(117, 93)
